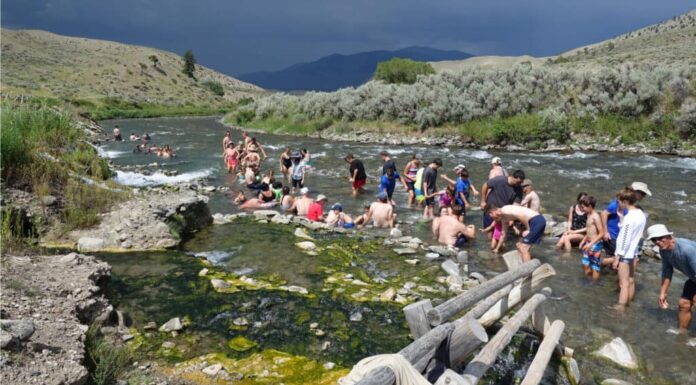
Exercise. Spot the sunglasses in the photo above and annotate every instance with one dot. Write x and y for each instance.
(659, 239)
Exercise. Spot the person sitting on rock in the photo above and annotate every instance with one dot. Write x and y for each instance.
(449, 230)
(338, 218)
(381, 212)
(301, 205)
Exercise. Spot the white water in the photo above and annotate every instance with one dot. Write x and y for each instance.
(135, 179)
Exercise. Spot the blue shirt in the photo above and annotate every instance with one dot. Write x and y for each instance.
(388, 185)
(682, 257)
(613, 218)
(462, 187)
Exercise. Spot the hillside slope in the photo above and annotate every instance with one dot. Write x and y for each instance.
(337, 71)
(41, 63)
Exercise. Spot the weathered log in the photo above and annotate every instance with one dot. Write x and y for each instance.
(512, 259)
(416, 316)
(520, 292)
(482, 307)
(450, 377)
(543, 355)
(454, 305)
(540, 322)
(486, 357)
(414, 352)
(468, 335)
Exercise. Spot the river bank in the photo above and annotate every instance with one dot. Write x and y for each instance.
(476, 135)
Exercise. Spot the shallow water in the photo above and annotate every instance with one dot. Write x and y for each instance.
(558, 177)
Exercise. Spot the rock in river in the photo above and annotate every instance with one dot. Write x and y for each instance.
(172, 325)
(306, 245)
(619, 352)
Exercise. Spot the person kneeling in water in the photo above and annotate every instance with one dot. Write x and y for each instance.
(450, 231)
(534, 223)
(338, 218)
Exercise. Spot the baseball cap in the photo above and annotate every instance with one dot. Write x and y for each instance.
(527, 182)
(496, 160)
(459, 167)
(337, 206)
(640, 186)
(657, 231)
(304, 190)
(382, 195)
(321, 197)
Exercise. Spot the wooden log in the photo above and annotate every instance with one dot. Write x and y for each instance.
(468, 335)
(519, 293)
(416, 316)
(540, 322)
(482, 307)
(450, 377)
(454, 305)
(413, 353)
(486, 357)
(543, 355)
(512, 259)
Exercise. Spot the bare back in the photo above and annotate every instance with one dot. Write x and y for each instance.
(518, 213)
(449, 230)
(302, 205)
(381, 214)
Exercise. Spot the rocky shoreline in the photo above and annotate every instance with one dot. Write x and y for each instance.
(579, 142)
(47, 304)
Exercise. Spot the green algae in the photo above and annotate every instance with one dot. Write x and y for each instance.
(241, 344)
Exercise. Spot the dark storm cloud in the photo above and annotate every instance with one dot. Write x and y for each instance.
(244, 36)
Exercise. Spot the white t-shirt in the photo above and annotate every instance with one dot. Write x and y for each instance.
(630, 233)
(298, 170)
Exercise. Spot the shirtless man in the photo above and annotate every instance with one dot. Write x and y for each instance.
(450, 231)
(591, 245)
(117, 134)
(496, 168)
(252, 159)
(246, 138)
(226, 140)
(533, 222)
(301, 204)
(381, 212)
(531, 198)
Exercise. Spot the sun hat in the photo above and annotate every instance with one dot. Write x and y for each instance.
(496, 160)
(337, 206)
(527, 182)
(459, 167)
(304, 190)
(657, 231)
(321, 197)
(640, 186)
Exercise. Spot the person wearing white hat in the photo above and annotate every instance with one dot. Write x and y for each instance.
(301, 205)
(642, 190)
(679, 253)
(496, 168)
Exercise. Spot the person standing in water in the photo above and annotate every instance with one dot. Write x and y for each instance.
(679, 253)
(231, 157)
(298, 172)
(226, 140)
(496, 168)
(117, 134)
(430, 187)
(591, 244)
(358, 177)
(534, 223)
(286, 163)
(630, 233)
(531, 198)
(409, 176)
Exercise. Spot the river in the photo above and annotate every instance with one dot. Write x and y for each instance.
(255, 249)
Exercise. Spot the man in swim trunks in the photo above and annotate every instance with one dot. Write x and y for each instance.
(388, 162)
(301, 205)
(381, 212)
(534, 223)
(496, 169)
(358, 177)
(591, 244)
(450, 231)
(500, 191)
(679, 253)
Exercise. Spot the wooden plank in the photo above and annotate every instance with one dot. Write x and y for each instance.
(486, 357)
(543, 355)
(468, 335)
(482, 307)
(450, 377)
(453, 306)
(512, 259)
(540, 322)
(519, 293)
(416, 316)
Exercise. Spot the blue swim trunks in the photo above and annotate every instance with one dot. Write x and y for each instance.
(592, 257)
(537, 225)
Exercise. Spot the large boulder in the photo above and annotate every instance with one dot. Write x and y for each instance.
(90, 244)
(619, 352)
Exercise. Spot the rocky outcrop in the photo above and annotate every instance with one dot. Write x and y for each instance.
(47, 303)
(149, 221)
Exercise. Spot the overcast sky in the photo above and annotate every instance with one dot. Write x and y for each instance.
(236, 37)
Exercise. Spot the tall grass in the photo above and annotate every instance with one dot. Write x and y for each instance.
(104, 361)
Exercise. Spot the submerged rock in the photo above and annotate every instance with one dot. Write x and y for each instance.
(173, 325)
(219, 283)
(306, 245)
(432, 256)
(241, 344)
(620, 353)
(442, 250)
(356, 317)
(395, 233)
(212, 370)
(265, 214)
(613, 381)
(405, 251)
(302, 233)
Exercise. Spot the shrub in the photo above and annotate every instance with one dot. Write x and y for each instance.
(686, 123)
(399, 70)
(214, 87)
(105, 362)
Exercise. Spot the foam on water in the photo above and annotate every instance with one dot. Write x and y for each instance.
(681, 193)
(687, 163)
(556, 155)
(479, 154)
(114, 154)
(135, 179)
(216, 257)
(592, 173)
(274, 146)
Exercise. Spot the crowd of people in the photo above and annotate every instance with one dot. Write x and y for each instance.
(610, 239)
(144, 146)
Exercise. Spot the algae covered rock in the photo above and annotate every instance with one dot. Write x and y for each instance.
(306, 245)
(241, 344)
(619, 352)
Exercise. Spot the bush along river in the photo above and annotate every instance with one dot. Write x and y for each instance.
(268, 310)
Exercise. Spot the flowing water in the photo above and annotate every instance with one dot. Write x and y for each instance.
(157, 286)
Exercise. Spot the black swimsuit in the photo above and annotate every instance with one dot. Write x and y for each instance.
(579, 221)
(287, 162)
(266, 199)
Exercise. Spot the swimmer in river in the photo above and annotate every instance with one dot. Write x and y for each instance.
(336, 217)
(534, 223)
(591, 244)
(301, 205)
(286, 163)
(134, 137)
(117, 134)
(226, 140)
(450, 231)
(381, 212)
(286, 199)
(358, 177)
(231, 157)
(255, 146)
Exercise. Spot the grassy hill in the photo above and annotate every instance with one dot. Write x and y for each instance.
(97, 73)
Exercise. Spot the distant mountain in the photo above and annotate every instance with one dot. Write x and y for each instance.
(337, 71)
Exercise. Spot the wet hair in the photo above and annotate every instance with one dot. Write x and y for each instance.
(519, 174)
(277, 185)
(286, 190)
(464, 174)
(492, 208)
(580, 196)
(457, 210)
(438, 161)
(627, 195)
(264, 187)
(588, 201)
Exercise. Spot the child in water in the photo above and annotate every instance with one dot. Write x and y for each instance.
(497, 228)
(591, 245)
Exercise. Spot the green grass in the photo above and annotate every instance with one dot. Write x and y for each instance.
(106, 363)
